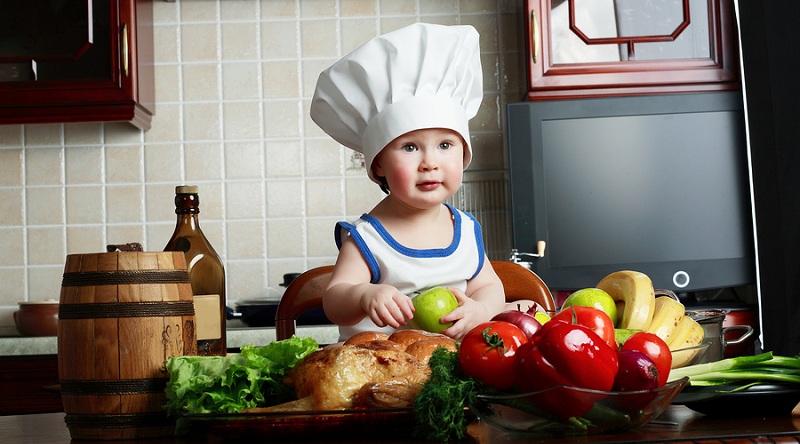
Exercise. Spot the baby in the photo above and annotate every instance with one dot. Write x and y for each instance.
(404, 100)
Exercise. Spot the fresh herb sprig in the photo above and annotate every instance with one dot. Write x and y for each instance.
(439, 409)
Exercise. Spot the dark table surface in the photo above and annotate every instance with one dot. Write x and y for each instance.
(677, 424)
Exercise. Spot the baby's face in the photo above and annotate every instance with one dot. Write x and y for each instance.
(423, 167)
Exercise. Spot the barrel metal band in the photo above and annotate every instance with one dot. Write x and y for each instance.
(123, 277)
(155, 309)
(112, 387)
(118, 421)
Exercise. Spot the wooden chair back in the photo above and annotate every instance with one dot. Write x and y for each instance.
(305, 293)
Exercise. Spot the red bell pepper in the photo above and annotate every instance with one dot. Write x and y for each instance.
(563, 354)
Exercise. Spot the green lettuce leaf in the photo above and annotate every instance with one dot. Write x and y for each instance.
(230, 384)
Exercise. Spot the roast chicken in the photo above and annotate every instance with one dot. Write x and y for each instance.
(367, 371)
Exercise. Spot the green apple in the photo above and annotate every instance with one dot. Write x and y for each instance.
(430, 306)
(593, 297)
(622, 335)
(542, 317)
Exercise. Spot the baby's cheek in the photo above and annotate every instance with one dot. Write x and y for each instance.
(401, 177)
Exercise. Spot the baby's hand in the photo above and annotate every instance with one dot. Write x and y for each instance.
(386, 306)
(469, 314)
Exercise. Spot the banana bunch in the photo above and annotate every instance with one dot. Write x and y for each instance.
(687, 334)
(666, 318)
(663, 316)
(633, 292)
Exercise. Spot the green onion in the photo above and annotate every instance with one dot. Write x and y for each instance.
(762, 367)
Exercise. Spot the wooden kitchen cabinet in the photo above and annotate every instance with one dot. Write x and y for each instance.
(585, 48)
(29, 384)
(77, 61)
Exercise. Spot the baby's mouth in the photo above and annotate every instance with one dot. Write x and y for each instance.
(428, 185)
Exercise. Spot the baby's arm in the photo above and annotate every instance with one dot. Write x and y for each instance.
(350, 296)
(484, 299)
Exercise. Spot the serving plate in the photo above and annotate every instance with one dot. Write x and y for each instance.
(732, 400)
(328, 425)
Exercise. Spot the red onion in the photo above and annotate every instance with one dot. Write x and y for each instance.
(526, 322)
(536, 308)
(636, 372)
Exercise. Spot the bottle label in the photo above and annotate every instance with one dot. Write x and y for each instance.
(207, 321)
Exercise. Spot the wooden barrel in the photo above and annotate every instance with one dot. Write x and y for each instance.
(121, 315)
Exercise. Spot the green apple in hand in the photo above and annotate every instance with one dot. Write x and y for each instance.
(430, 306)
(593, 297)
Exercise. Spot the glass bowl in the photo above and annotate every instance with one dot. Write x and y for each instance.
(689, 356)
(544, 412)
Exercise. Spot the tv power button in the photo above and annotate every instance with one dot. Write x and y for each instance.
(680, 279)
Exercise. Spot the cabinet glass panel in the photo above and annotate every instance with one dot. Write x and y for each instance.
(596, 31)
(55, 40)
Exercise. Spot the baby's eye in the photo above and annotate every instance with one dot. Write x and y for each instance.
(445, 145)
(409, 148)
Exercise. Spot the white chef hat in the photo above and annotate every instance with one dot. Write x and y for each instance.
(420, 76)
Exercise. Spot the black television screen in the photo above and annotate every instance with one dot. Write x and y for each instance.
(657, 184)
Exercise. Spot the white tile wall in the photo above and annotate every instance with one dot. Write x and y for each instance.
(233, 84)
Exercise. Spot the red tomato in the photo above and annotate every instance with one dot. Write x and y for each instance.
(655, 348)
(592, 318)
(487, 353)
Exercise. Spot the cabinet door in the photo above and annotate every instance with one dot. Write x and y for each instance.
(584, 48)
(29, 385)
(76, 61)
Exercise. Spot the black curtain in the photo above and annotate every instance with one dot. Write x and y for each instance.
(771, 59)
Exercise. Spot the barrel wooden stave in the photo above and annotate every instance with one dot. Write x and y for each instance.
(113, 351)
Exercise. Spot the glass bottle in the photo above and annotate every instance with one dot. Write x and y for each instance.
(206, 272)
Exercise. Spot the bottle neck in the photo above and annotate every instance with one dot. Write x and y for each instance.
(187, 221)
(187, 204)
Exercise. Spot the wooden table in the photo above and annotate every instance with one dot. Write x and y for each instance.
(686, 426)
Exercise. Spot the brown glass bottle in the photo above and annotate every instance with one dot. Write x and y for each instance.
(206, 273)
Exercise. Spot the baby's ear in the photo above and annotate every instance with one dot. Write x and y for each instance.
(376, 166)
(377, 172)
(383, 184)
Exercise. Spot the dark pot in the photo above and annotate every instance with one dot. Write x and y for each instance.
(37, 318)
(260, 312)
